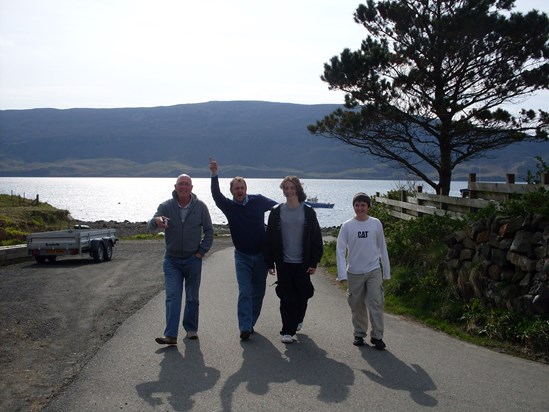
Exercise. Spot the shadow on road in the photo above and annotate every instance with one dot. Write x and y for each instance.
(393, 373)
(303, 362)
(180, 377)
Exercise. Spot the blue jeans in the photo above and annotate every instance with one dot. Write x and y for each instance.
(251, 275)
(179, 272)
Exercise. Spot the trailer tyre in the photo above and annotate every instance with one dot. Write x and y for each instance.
(107, 252)
(40, 259)
(98, 253)
(51, 259)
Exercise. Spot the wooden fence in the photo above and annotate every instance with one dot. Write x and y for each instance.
(477, 196)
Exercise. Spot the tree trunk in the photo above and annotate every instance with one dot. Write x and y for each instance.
(445, 180)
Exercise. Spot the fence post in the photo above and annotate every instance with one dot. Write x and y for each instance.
(472, 179)
(510, 178)
(419, 202)
(544, 179)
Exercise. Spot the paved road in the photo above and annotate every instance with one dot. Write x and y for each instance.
(421, 369)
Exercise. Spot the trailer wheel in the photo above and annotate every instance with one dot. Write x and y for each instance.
(98, 254)
(40, 259)
(107, 252)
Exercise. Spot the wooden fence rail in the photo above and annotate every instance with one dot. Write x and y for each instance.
(477, 196)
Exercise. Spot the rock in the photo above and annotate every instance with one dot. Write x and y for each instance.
(524, 263)
(522, 242)
(540, 302)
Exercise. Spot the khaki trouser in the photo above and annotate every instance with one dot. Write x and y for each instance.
(365, 294)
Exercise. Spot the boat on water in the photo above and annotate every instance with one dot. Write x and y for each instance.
(313, 202)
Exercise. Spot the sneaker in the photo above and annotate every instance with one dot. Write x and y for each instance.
(166, 340)
(299, 326)
(244, 335)
(192, 335)
(359, 341)
(378, 343)
(287, 339)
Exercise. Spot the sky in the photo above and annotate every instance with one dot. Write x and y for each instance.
(142, 53)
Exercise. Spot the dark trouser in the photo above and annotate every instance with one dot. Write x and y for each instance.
(294, 289)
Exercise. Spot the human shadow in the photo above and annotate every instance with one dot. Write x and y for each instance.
(180, 378)
(305, 363)
(309, 365)
(395, 374)
(262, 364)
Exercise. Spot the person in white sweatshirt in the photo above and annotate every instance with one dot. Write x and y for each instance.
(363, 261)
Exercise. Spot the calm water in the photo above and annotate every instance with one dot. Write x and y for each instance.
(136, 199)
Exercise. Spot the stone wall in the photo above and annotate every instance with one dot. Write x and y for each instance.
(503, 261)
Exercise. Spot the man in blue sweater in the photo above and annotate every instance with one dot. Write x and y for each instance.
(246, 216)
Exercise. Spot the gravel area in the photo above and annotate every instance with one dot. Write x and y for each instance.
(55, 316)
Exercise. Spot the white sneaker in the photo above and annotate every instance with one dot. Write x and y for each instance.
(287, 339)
(299, 326)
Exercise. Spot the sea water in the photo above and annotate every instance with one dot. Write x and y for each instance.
(136, 199)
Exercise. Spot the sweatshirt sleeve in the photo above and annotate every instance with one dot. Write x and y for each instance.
(151, 225)
(317, 244)
(268, 244)
(341, 252)
(220, 200)
(382, 244)
(208, 231)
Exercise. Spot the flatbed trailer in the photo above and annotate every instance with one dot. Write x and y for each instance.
(97, 243)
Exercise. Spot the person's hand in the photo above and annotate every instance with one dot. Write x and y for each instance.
(311, 271)
(213, 166)
(162, 221)
(272, 272)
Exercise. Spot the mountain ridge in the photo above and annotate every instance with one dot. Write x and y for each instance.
(249, 138)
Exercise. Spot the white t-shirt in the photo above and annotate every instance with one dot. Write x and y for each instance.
(361, 248)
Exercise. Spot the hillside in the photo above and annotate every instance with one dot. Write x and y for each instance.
(251, 138)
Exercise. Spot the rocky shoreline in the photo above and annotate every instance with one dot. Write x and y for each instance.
(128, 229)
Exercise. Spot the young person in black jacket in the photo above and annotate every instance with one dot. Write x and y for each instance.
(293, 248)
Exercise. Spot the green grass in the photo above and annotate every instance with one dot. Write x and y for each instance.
(20, 216)
(419, 309)
(144, 236)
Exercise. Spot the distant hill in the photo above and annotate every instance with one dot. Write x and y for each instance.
(249, 138)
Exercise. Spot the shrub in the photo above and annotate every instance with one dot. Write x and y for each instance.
(506, 326)
(532, 202)
(329, 259)
(382, 212)
(420, 241)
(541, 168)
